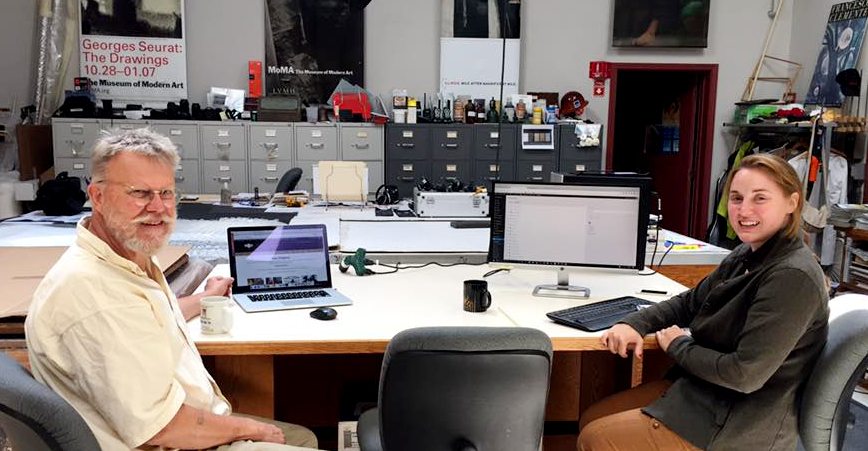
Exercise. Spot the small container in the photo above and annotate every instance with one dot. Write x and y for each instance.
(537, 116)
(225, 194)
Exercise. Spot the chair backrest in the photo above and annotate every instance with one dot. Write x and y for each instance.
(33, 417)
(465, 388)
(289, 180)
(826, 396)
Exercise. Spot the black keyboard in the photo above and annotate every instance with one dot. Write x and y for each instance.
(471, 224)
(288, 295)
(599, 315)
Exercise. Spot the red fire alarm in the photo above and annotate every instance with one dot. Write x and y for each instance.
(599, 70)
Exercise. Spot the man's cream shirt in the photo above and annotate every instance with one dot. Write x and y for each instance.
(112, 341)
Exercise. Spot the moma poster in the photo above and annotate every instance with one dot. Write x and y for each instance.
(311, 44)
(133, 50)
(842, 43)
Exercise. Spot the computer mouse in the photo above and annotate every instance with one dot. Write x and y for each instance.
(324, 313)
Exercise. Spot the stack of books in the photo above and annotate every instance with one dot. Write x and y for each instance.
(849, 216)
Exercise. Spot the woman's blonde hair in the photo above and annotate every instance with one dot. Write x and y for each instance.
(777, 169)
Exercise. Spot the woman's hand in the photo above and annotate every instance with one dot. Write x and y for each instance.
(665, 337)
(622, 337)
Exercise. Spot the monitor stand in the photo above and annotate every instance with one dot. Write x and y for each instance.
(563, 289)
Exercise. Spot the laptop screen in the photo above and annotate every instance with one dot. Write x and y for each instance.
(278, 257)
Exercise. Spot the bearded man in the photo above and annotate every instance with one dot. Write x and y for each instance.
(105, 331)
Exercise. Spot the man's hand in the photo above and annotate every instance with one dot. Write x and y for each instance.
(266, 432)
(665, 337)
(218, 286)
(622, 337)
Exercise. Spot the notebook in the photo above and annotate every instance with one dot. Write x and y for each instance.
(281, 267)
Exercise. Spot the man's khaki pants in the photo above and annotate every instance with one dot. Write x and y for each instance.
(298, 438)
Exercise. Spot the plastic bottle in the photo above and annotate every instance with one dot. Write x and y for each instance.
(225, 194)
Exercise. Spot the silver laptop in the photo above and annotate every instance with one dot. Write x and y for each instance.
(281, 267)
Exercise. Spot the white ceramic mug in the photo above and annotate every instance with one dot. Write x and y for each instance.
(216, 314)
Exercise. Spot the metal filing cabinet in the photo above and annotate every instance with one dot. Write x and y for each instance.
(576, 158)
(314, 143)
(494, 149)
(224, 157)
(364, 142)
(407, 153)
(185, 136)
(270, 149)
(73, 139)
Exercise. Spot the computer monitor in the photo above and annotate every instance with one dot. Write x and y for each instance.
(594, 220)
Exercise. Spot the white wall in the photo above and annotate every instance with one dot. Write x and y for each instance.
(18, 52)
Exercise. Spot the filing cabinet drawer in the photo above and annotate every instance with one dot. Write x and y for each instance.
(122, 124)
(451, 142)
(74, 139)
(316, 142)
(223, 142)
(75, 167)
(360, 143)
(442, 171)
(187, 177)
(533, 171)
(215, 172)
(487, 140)
(184, 136)
(486, 171)
(574, 165)
(375, 175)
(271, 141)
(406, 174)
(550, 155)
(265, 174)
(407, 142)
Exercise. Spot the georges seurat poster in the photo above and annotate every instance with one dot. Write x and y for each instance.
(842, 43)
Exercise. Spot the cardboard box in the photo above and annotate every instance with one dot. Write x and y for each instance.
(22, 268)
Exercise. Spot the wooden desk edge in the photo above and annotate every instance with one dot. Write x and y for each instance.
(367, 346)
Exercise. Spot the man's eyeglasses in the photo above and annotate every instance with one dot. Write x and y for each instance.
(143, 197)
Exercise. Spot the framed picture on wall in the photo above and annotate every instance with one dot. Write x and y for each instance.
(660, 23)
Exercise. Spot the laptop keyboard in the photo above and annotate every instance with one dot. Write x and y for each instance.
(287, 295)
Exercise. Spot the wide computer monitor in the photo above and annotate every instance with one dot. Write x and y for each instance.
(592, 220)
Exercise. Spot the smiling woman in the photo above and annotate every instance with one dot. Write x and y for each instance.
(757, 325)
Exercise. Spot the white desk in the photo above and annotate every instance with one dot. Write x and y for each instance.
(387, 304)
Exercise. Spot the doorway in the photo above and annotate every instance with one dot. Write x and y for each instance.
(661, 122)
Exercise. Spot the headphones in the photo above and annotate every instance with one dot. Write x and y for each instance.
(357, 261)
(387, 195)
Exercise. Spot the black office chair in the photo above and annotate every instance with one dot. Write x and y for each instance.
(460, 388)
(826, 399)
(35, 418)
(289, 180)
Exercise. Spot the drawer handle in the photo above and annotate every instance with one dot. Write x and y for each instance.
(316, 145)
(179, 178)
(407, 145)
(223, 179)
(494, 179)
(222, 146)
(449, 145)
(493, 146)
(126, 127)
(75, 146)
(269, 146)
(406, 178)
(269, 179)
(535, 178)
(362, 146)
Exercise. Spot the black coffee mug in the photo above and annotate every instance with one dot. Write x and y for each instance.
(476, 296)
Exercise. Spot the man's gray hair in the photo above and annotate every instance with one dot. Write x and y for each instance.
(142, 141)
